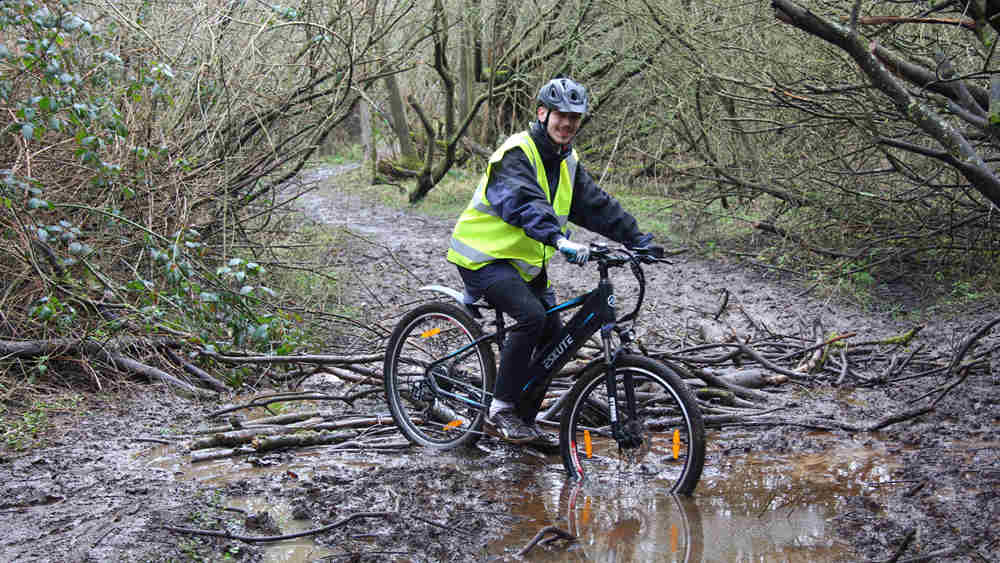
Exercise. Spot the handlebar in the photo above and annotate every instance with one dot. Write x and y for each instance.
(608, 258)
(613, 257)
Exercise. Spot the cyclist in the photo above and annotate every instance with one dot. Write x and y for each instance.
(515, 221)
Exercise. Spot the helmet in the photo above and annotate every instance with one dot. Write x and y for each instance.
(564, 95)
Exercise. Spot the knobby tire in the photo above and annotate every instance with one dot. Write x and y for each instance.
(428, 333)
(673, 450)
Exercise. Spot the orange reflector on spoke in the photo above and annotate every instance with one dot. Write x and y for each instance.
(588, 447)
(430, 332)
(453, 424)
(677, 443)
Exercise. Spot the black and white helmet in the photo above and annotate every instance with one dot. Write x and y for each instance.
(564, 95)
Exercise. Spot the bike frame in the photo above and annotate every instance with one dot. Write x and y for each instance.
(596, 314)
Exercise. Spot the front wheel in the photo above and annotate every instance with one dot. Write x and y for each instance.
(438, 377)
(664, 442)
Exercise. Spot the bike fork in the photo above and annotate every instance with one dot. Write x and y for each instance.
(609, 381)
(619, 430)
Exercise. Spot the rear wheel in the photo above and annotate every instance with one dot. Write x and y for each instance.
(436, 377)
(665, 440)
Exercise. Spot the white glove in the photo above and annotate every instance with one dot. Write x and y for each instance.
(574, 252)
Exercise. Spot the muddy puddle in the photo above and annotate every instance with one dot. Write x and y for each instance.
(748, 507)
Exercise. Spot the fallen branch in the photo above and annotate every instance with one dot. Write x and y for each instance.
(197, 372)
(320, 359)
(714, 380)
(750, 419)
(109, 351)
(546, 531)
(265, 400)
(258, 433)
(265, 539)
(768, 364)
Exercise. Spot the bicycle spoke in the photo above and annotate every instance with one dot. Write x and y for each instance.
(435, 373)
(662, 443)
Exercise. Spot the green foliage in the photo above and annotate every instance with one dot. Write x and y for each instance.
(26, 429)
(227, 307)
(50, 309)
(21, 433)
(70, 92)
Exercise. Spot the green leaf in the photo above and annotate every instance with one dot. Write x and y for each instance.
(27, 130)
(209, 297)
(71, 23)
(260, 333)
(246, 290)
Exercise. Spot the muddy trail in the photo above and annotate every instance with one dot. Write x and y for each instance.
(116, 481)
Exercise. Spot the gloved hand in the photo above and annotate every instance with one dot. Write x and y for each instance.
(574, 252)
(641, 242)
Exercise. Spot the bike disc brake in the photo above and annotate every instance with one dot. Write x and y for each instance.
(635, 432)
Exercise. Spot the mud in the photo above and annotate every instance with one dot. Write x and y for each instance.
(93, 493)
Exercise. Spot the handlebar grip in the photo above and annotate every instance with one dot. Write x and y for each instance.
(652, 252)
(657, 252)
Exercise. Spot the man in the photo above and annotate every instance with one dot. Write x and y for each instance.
(513, 225)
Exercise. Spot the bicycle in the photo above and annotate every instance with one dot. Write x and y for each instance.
(624, 411)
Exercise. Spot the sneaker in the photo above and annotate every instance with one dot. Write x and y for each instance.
(543, 440)
(510, 427)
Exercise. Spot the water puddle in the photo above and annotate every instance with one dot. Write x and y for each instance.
(773, 508)
(286, 551)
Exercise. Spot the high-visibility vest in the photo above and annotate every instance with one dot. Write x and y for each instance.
(481, 236)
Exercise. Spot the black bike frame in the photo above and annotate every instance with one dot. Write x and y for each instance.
(596, 313)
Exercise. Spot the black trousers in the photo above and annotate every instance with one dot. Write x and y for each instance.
(525, 303)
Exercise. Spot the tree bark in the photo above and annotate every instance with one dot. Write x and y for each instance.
(871, 60)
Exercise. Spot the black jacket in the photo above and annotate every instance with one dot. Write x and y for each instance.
(514, 193)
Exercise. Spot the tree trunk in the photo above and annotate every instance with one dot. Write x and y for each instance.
(399, 125)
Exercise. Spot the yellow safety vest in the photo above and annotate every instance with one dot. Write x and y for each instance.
(481, 236)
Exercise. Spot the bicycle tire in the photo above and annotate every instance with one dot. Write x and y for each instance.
(429, 333)
(673, 448)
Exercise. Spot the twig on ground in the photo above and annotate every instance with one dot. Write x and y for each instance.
(546, 531)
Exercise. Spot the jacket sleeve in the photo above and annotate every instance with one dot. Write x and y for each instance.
(597, 211)
(513, 191)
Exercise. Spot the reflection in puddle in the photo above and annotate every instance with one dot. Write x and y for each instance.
(748, 507)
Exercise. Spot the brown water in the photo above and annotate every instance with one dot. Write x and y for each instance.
(747, 508)
(773, 509)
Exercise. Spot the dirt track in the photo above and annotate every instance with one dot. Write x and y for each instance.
(93, 496)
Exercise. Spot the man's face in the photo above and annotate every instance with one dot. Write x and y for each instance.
(562, 125)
